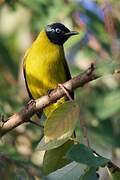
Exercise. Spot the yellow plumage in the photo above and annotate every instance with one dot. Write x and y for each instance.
(44, 68)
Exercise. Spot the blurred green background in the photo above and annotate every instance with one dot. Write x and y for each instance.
(99, 25)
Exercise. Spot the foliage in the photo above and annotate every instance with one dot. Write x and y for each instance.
(63, 120)
(86, 156)
(98, 101)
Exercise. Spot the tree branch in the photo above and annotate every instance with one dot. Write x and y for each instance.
(37, 105)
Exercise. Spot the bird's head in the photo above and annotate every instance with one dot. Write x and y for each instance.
(58, 33)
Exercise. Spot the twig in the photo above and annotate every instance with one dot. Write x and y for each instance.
(113, 168)
(35, 123)
(25, 114)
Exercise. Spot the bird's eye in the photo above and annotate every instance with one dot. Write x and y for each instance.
(58, 30)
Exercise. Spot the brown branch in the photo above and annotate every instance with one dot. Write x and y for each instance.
(37, 105)
(112, 167)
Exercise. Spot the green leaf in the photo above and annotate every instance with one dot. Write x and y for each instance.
(72, 172)
(106, 67)
(60, 126)
(90, 174)
(55, 158)
(109, 105)
(82, 154)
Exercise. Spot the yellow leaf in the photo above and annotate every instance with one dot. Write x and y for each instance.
(60, 126)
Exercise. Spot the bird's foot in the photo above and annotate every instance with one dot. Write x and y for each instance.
(31, 104)
(3, 120)
(66, 91)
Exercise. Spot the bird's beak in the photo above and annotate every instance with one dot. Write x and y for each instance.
(71, 33)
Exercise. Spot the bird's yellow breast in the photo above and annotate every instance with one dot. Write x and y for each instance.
(44, 66)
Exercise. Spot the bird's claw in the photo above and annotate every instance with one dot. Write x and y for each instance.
(65, 91)
(30, 104)
(49, 91)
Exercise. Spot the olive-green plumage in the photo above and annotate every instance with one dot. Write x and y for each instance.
(45, 65)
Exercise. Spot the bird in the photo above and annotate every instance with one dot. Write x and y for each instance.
(45, 65)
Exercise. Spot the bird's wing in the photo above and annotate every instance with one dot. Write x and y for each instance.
(24, 72)
(68, 75)
(39, 113)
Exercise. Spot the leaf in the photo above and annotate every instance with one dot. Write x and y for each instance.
(61, 122)
(72, 172)
(55, 158)
(82, 154)
(106, 67)
(90, 174)
(109, 105)
(60, 126)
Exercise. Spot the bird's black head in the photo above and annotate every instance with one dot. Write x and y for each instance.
(58, 33)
